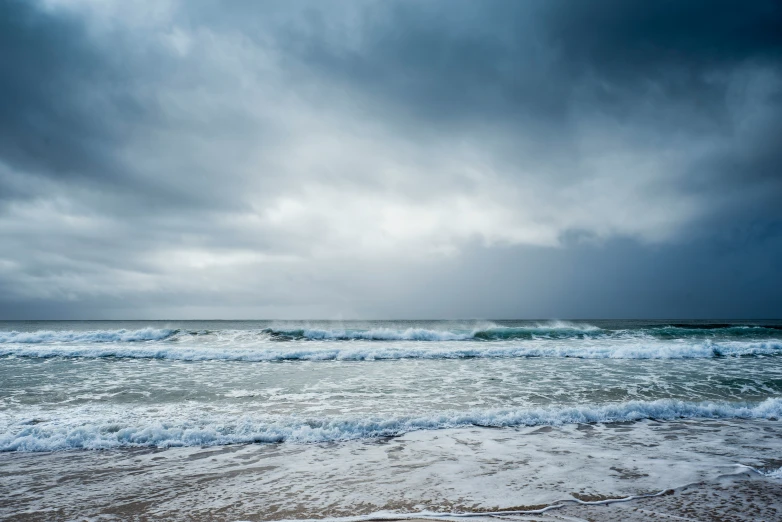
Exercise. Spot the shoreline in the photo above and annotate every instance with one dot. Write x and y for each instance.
(714, 500)
(585, 472)
(746, 495)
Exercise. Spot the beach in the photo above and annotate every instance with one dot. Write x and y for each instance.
(700, 470)
(391, 420)
(390, 260)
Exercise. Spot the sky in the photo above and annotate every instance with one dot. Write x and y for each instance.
(165, 159)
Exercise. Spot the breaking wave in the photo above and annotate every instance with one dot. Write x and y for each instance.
(555, 330)
(377, 353)
(553, 339)
(486, 332)
(75, 431)
(91, 336)
(776, 473)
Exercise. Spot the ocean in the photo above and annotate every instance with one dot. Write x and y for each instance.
(270, 420)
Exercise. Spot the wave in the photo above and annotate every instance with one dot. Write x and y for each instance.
(91, 336)
(379, 352)
(776, 473)
(74, 432)
(712, 331)
(377, 334)
(491, 332)
(556, 329)
(486, 332)
(540, 331)
(721, 326)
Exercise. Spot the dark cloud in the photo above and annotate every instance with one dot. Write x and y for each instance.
(625, 39)
(729, 278)
(514, 60)
(434, 159)
(61, 99)
(675, 72)
(456, 63)
(679, 60)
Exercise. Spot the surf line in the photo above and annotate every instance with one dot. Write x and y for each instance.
(430, 515)
(381, 516)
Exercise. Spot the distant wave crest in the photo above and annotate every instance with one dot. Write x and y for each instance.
(75, 432)
(488, 332)
(557, 329)
(379, 352)
(90, 336)
(552, 339)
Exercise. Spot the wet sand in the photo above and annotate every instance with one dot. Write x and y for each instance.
(741, 497)
(746, 497)
(715, 470)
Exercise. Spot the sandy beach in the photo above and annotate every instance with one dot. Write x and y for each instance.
(741, 497)
(699, 469)
(390, 260)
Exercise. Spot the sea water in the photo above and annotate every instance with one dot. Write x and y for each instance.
(445, 402)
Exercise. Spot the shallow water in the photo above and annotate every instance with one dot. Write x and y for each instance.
(452, 470)
(481, 414)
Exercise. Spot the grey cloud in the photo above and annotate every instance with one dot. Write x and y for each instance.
(519, 59)
(548, 72)
(86, 110)
(52, 119)
(390, 159)
(623, 38)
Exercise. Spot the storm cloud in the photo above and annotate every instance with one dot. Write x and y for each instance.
(393, 159)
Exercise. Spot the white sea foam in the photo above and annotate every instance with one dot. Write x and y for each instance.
(777, 473)
(91, 428)
(486, 331)
(376, 334)
(265, 350)
(90, 336)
